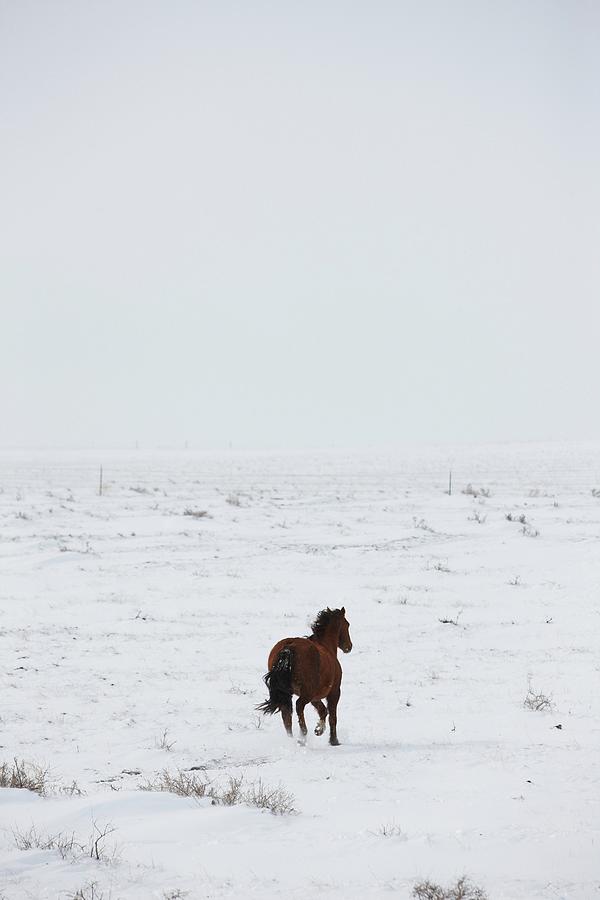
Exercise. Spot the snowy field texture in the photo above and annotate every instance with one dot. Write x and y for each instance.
(134, 637)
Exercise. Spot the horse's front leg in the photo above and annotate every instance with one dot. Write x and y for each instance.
(332, 702)
(322, 711)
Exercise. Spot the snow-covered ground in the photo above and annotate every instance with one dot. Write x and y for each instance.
(127, 627)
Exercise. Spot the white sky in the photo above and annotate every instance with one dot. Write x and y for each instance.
(282, 223)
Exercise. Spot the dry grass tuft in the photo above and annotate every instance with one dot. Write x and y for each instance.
(235, 792)
(64, 843)
(163, 742)
(25, 775)
(277, 800)
(184, 784)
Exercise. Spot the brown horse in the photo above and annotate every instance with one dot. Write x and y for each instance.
(309, 667)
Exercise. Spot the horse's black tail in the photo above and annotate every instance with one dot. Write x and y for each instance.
(279, 682)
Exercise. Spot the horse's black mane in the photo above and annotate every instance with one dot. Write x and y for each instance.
(323, 619)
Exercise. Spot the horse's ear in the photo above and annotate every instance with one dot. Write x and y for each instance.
(343, 610)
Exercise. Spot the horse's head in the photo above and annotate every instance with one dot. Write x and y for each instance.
(344, 642)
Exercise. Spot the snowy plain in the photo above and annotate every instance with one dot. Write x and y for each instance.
(133, 639)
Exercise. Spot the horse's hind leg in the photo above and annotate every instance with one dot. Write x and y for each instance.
(322, 711)
(300, 704)
(286, 715)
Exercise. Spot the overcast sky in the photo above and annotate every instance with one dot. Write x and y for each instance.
(290, 224)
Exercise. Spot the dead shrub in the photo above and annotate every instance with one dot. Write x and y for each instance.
(521, 518)
(196, 513)
(446, 620)
(422, 524)
(87, 892)
(390, 829)
(99, 835)
(478, 517)
(471, 491)
(462, 890)
(537, 701)
(70, 790)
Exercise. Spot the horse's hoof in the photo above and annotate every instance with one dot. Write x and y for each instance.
(319, 730)
(334, 742)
